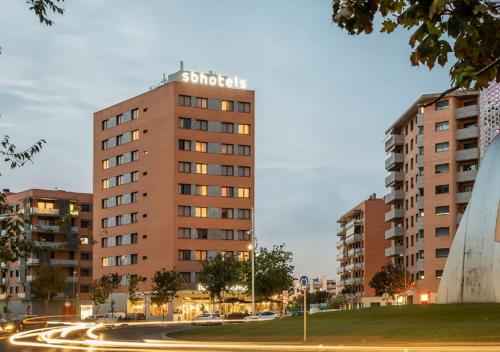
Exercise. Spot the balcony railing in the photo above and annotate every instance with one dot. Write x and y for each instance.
(353, 223)
(341, 231)
(467, 111)
(393, 140)
(398, 231)
(394, 214)
(467, 133)
(353, 238)
(466, 176)
(420, 140)
(32, 261)
(45, 228)
(354, 266)
(420, 223)
(71, 279)
(393, 160)
(420, 161)
(395, 176)
(467, 154)
(463, 197)
(41, 211)
(420, 202)
(64, 262)
(354, 252)
(394, 196)
(394, 251)
(420, 120)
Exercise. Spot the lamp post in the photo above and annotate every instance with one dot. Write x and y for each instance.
(404, 266)
(74, 289)
(251, 247)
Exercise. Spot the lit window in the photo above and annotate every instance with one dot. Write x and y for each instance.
(227, 191)
(202, 103)
(135, 135)
(243, 129)
(227, 105)
(105, 261)
(243, 256)
(84, 240)
(105, 183)
(243, 192)
(105, 164)
(200, 255)
(201, 147)
(201, 169)
(201, 190)
(200, 212)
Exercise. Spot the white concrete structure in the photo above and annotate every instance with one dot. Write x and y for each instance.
(472, 271)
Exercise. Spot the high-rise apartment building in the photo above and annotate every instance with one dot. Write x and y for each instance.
(174, 183)
(433, 158)
(361, 247)
(63, 220)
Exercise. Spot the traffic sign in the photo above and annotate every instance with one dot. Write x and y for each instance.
(304, 281)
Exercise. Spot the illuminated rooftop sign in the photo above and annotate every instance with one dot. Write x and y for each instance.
(212, 79)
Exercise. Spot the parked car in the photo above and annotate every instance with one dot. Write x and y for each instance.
(265, 315)
(7, 326)
(237, 316)
(208, 318)
(133, 317)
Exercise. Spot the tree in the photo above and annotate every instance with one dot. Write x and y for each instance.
(338, 302)
(471, 27)
(273, 272)
(48, 283)
(390, 281)
(165, 285)
(133, 282)
(102, 288)
(219, 275)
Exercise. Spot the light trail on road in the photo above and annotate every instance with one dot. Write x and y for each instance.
(57, 337)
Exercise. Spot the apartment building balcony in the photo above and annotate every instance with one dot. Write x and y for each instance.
(354, 266)
(394, 196)
(393, 141)
(341, 256)
(459, 217)
(393, 178)
(420, 161)
(340, 242)
(352, 223)
(29, 278)
(463, 197)
(32, 261)
(353, 238)
(5, 280)
(74, 229)
(353, 281)
(71, 279)
(420, 203)
(340, 269)
(21, 295)
(467, 133)
(420, 265)
(64, 262)
(419, 244)
(394, 251)
(420, 181)
(45, 228)
(420, 140)
(420, 120)
(393, 160)
(394, 214)
(466, 176)
(44, 212)
(354, 252)
(420, 223)
(467, 154)
(394, 232)
(341, 230)
(467, 111)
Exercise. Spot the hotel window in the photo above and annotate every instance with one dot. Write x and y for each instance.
(244, 150)
(442, 126)
(200, 255)
(243, 192)
(84, 240)
(243, 213)
(442, 147)
(184, 167)
(202, 103)
(442, 168)
(442, 252)
(201, 147)
(440, 189)
(227, 127)
(105, 183)
(185, 276)
(200, 212)
(135, 135)
(184, 254)
(184, 100)
(227, 213)
(184, 233)
(184, 188)
(227, 234)
(243, 171)
(243, 256)
(445, 209)
(184, 123)
(201, 125)
(134, 114)
(105, 164)
(442, 231)
(243, 107)
(105, 261)
(201, 190)
(184, 145)
(227, 105)
(243, 129)
(184, 210)
(227, 170)
(202, 234)
(227, 149)
(227, 191)
(439, 274)
(201, 169)
(443, 104)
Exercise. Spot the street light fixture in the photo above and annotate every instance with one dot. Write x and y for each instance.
(404, 265)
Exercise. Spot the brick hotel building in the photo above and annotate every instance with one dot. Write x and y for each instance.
(433, 158)
(173, 184)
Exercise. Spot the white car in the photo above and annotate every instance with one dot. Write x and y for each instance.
(208, 318)
(265, 315)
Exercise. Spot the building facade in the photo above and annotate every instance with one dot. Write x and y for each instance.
(361, 251)
(174, 183)
(63, 220)
(433, 158)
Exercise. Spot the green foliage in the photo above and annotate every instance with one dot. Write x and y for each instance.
(165, 285)
(133, 282)
(467, 29)
(48, 283)
(338, 302)
(41, 7)
(103, 287)
(390, 281)
(273, 272)
(219, 275)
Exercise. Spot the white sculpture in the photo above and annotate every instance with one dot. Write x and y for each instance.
(472, 270)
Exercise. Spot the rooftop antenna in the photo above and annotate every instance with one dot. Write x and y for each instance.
(182, 65)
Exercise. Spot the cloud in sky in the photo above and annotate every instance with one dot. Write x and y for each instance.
(323, 98)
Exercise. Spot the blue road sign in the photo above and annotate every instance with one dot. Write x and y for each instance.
(304, 281)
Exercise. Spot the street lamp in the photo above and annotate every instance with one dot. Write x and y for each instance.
(404, 265)
(251, 247)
